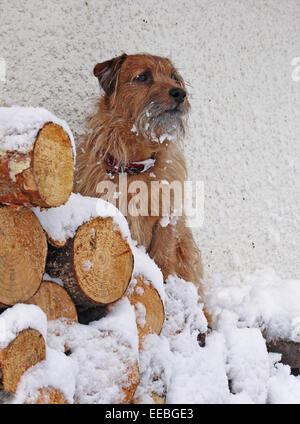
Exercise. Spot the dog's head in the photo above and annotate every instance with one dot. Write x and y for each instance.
(147, 91)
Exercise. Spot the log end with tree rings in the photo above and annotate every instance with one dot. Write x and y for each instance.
(42, 176)
(148, 306)
(54, 301)
(103, 261)
(26, 350)
(53, 165)
(23, 251)
(130, 387)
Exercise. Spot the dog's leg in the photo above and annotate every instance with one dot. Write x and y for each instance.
(174, 250)
(188, 257)
(163, 247)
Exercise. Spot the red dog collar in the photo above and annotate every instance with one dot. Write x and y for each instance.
(117, 167)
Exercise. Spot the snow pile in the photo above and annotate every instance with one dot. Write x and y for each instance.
(173, 363)
(19, 127)
(247, 360)
(282, 387)
(243, 310)
(57, 370)
(104, 352)
(261, 300)
(61, 223)
(233, 367)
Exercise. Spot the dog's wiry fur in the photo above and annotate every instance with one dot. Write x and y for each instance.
(130, 117)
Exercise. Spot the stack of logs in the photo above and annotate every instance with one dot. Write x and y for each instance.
(44, 177)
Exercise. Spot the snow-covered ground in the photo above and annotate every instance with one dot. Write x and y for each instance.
(243, 143)
(233, 366)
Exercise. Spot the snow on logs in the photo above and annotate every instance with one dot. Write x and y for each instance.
(26, 350)
(106, 353)
(149, 308)
(89, 248)
(119, 329)
(48, 396)
(22, 343)
(147, 295)
(95, 261)
(30, 371)
(36, 158)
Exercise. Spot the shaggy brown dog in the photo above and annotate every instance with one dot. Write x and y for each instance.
(137, 130)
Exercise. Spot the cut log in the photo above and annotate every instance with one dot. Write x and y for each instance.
(133, 381)
(148, 306)
(106, 354)
(95, 266)
(54, 301)
(26, 350)
(42, 175)
(49, 396)
(23, 250)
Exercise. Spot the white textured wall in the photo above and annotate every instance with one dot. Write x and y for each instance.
(245, 123)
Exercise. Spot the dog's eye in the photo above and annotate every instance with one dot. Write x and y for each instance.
(142, 77)
(175, 78)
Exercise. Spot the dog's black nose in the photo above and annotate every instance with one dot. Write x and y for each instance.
(178, 94)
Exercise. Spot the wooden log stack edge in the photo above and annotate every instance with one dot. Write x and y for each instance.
(26, 350)
(23, 251)
(149, 308)
(54, 301)
(42, 176)
(96, 264)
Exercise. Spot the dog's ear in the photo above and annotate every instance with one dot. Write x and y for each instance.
(108, 72)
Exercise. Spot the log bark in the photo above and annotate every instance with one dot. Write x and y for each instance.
(23, 250)
(289, 350)
(54, 301)
(49, 396)
(26, 350)
(92, 314)
(144, 293)
(41, 177)
(95, 266)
